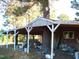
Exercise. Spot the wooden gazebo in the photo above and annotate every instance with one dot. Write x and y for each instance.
(42, 22)
(49, 29)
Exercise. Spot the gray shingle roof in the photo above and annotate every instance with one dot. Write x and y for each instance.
(74, 22)
(40, 21)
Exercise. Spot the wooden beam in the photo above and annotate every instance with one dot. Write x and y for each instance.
(57, 26)
(28, 29)
(28, 33)
(49, 28)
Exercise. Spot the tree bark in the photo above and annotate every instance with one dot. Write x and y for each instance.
(46, 9)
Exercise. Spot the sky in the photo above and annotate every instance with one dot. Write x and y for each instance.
(2, 12)
(64, 7)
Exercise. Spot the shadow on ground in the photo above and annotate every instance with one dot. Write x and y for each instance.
(9, 53)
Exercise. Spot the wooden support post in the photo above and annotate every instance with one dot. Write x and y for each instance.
(14, 39)
(28, 42)
(7, 39)
(33, 37)
(15, 33)
(52, 42)
(28, 33)
(52, 29)
(52, 39)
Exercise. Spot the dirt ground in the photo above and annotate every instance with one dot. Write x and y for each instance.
(63, 55)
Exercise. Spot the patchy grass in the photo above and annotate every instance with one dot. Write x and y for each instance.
(4, 57)
(11, 54)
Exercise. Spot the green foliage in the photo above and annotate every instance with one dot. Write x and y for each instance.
(77, 19)
(13, 8)
(77, 13)
(25, 0)
(1, 31)
(63, 17)
(29, 10)
(1, 37)
(21, 38)
(75, 4)
(20, 11)
(53, 14)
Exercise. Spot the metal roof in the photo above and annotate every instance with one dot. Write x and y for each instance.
(68, 22)
(40, 21)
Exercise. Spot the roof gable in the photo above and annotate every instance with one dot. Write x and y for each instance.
(40, 21)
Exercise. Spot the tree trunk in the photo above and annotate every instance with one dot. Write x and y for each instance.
(46, 9)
